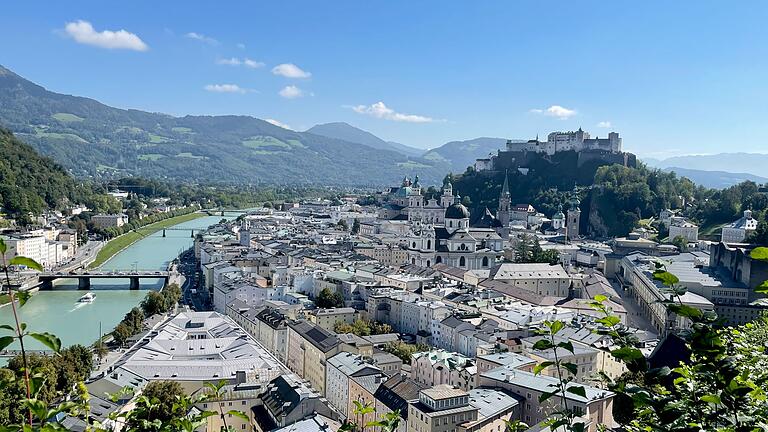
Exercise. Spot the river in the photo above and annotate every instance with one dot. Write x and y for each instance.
(58, 311)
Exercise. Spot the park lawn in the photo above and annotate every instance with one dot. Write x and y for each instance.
(4, 298)
(121, 242)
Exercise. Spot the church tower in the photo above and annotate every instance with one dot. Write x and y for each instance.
(505, 202)
(558, 220)
(574, 216)
(446, 200)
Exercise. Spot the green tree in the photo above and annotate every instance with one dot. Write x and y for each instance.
(681, 243)
(404, 350)
(164, 397)
(342, 224)
(121, 333)
(356, 226)
(329, 299)
(154, 303)
(172, 294)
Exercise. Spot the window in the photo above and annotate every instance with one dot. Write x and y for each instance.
(462, 262)
(438, 260)
(429, 244)
(485, 261)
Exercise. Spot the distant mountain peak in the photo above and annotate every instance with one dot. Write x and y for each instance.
(347, 132)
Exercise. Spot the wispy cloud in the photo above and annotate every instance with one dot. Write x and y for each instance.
(84, 33)
(226, 88)
(234, 61)
(291, 92)
(202, 38)
(604, 124)
(380, 110)
(278, 123)
(290, 70)
(556, 111)
(241, 45)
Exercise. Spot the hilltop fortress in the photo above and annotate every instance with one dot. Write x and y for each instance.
(518, 153)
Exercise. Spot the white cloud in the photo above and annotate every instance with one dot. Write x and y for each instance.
(241, 45)
(291, 92)
(84, 33)
(379, 110)
(556, 111)
(225, 88)
(278, 123)
(604, 124)
(202, 38)
(253, 64)
(290, 70)
(234, 61)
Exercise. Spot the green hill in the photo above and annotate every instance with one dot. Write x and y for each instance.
(31, 183)
(95, 140)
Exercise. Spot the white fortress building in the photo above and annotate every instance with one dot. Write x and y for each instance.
(577, 141)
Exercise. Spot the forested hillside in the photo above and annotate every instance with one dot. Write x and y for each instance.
(31, 183)
(616, 198)
(98, 141)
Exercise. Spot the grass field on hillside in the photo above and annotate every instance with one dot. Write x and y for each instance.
(119, 243)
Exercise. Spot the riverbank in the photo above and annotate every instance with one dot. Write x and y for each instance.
(118, 244)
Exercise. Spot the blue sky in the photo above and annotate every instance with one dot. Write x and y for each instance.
(671, 77)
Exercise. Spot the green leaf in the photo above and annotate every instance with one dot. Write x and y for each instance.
(577, 390)
(608, 321)
(541, 366)
(627, 353)
(546, 395)
(572, 368)
(759, 253)
(542, 344)
(762, 288)
(239, 414)
(36, 384)
(685, 310)
(665, 277)
(47, 339)
(22, 297)
(711, 398)
(556, 327)
(7, 327)
(567, 345)
(27, 262)
(5, 341)
(600, 298)
(3, 247)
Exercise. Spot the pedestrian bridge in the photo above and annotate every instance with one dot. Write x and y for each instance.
(84, 278)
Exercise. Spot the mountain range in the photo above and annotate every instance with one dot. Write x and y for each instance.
(95, 140)
(717, 170)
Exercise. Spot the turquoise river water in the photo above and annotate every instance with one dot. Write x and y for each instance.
(58, 311)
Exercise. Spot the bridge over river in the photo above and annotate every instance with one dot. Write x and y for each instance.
(84, 278)
(14, 353)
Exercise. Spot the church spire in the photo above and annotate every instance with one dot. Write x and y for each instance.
(505, 188)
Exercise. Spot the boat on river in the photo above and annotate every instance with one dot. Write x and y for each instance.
(87, 298)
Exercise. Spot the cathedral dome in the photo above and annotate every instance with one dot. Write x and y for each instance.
(457, 211)
(559, 214)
